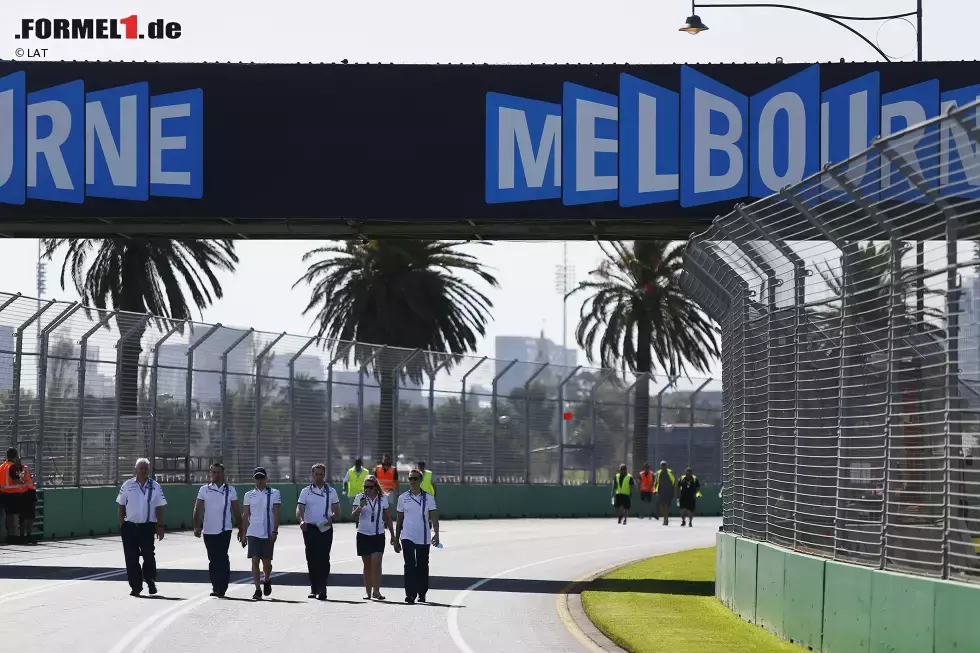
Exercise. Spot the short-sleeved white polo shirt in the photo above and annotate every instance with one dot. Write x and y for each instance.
(141, 501)
(317, 503)
(260, 506)
(217, 507)
(371, 521)
(415, 521)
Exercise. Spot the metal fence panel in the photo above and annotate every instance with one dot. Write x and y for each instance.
(849, 307)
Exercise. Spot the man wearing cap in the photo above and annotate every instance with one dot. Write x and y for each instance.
(261, 521)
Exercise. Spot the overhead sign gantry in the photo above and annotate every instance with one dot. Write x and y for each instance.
(522, 152)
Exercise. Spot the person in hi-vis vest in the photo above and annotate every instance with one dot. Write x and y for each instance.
(387, 475)
(663, 487)
(428, 485)
(646, 492)
(622, 489)
(354, 480)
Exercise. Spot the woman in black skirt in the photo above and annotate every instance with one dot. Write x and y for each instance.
(373, 518)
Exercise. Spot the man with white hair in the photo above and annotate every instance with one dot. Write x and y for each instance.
(141, 503)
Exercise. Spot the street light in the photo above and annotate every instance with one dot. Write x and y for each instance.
(694, 25)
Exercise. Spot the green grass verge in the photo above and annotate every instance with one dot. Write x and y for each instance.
(667, 603)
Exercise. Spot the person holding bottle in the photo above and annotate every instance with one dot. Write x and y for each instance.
(416, 518)
(317, 508)
(371, 512)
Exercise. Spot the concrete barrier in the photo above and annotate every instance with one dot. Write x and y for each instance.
(91, 511)
(835, 607)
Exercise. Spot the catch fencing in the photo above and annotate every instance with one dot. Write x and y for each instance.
(185, 395)
(849, 306)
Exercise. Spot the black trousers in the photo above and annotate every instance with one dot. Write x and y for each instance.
(219, 566)
(416, 568)
(318, 547)
(138, 542)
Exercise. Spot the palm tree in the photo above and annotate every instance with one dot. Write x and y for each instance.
(140, 276)
(405, 294)
(639, 314)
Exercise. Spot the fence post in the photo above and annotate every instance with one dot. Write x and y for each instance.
(432, 408)
(223, 387)
(292, 410)
(626, 422)
(527, 423)
(493, 432)
(342, 352)
(595, 420)
(18, 363)
(462, 423)
(561, 417)
(660, 416)
(394, 414)
(360, 399)
(120, 344)
(80, 422)
(257, 421)
(690, 433)
(154, 372)
(42, 384)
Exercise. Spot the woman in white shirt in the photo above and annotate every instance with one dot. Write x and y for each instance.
(416, 518)
(373, 518)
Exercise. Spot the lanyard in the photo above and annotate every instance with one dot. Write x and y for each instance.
(326, 499)
(425, 515)
(375, 516)
(224, 512)
(149, 496)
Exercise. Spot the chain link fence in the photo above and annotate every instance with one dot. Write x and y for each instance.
(83, 393)
(849, 307)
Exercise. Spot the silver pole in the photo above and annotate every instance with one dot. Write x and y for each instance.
(462, 427)
(690, 433)
(360, 399)
(257, 420)
(527, 423)
(18, 363)
(80, 422)
(293, 431)
(342, 352)
(493, 433)
(561, 418)
(139, 326)
(42, 385)
(154, 372)
(432, 408)
(595, 420)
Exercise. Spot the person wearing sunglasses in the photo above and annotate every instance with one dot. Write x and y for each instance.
(416, 518)
(373, 519)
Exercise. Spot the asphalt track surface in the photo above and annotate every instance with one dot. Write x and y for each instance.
(493, 588)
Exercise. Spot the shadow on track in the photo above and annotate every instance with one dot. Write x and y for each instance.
(454, 583)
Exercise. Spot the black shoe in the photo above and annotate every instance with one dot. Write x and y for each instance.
(136, 592)
(690, 523)
(322, 596)
(213, 593)
(409, 600)
(311, 595)
(619, 520)
(220, 594)
(682, 523)
(257, 595)
(267, 588)
(421, 598)
(152, 585)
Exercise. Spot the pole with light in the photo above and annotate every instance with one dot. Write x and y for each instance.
(694, 24)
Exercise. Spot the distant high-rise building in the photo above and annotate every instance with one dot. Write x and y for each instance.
(969, 340)
(529, 350)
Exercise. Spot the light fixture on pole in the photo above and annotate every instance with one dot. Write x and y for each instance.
(694, 24)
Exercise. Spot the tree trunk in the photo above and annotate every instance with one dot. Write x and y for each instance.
(641, 407)
(129, 356)
(386, 412)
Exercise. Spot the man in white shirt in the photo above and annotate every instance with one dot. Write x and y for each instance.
(219, 501)
(141, 503)
(261, 529)
(316, 510)
(416, 517)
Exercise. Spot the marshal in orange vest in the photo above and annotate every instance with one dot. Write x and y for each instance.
(388, 479)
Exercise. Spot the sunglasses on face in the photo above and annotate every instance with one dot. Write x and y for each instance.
(369, 487)
(414, 479)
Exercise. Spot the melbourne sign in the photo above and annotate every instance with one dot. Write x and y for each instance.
(66, 143)
(546, 146)
(704, 142)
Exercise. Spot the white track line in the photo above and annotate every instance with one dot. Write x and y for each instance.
(451, 617)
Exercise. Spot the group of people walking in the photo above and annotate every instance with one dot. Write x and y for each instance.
(217, 512)
(660, 487)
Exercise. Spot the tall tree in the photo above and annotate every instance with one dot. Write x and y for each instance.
(638, 314)
(406, 294)
(162, 277)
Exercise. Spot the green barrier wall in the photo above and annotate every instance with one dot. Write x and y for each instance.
(89, 511)
(835, 607)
